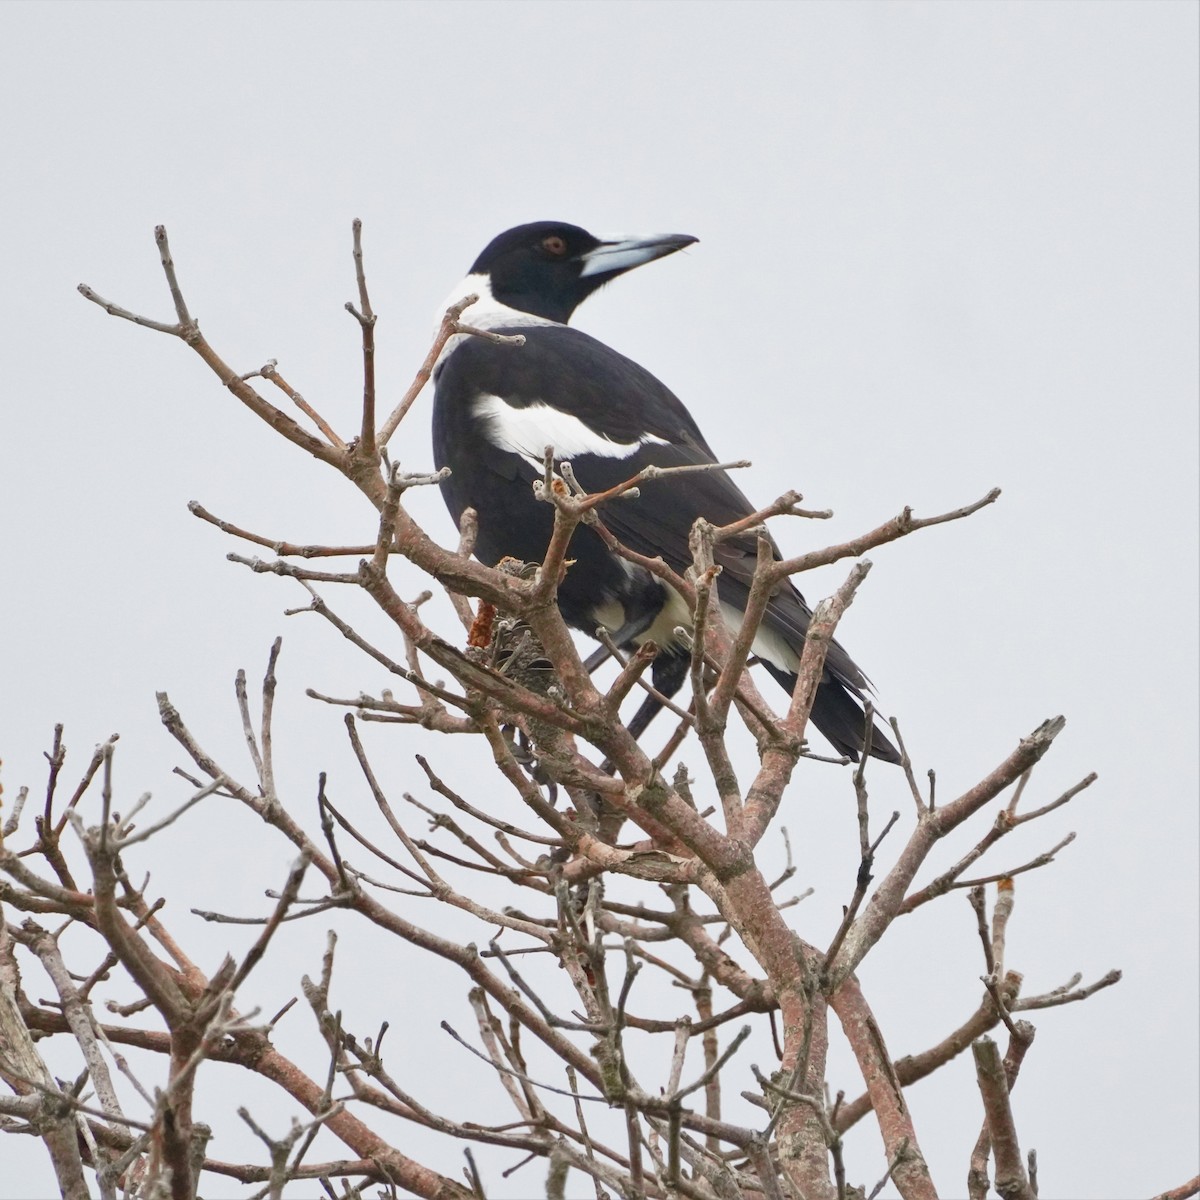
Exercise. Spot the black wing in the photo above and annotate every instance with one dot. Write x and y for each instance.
(621, 401)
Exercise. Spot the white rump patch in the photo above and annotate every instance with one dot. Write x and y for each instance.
(769, 645)
(529, 430)
(674, 613)
(610, 613)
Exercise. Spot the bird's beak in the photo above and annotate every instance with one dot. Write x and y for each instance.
(616, 255)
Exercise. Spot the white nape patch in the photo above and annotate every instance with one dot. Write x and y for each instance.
(768, 644)
(528, 431)
(487, 311)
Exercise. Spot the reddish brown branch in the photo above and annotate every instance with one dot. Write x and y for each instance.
(914, 1067)
(1185, 1191)
(899, 526)
(366, 320)
(934, 824)
(269, 372)
(995, 1079)
(910, 1174)
(450, 326)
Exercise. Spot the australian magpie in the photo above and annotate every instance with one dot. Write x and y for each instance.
(496, 409)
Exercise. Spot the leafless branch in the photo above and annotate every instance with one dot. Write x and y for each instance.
(711, 945)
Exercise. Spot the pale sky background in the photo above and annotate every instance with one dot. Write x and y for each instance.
(942, 247)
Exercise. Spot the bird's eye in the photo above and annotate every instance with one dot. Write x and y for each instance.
(554, 245)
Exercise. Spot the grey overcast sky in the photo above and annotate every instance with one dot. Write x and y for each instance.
(942, 247)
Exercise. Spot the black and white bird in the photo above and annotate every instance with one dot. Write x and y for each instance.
(496, 409)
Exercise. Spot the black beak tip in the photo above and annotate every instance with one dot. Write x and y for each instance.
(681, 241)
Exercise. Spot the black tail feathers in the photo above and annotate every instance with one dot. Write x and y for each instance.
(838, 714)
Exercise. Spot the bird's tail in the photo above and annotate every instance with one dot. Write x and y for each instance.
(838, 714)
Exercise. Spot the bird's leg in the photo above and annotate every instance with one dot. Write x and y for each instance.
(596, 659)
(667, 673)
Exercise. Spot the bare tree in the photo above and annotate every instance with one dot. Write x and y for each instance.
(621, 868)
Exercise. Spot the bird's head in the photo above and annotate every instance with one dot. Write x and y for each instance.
(548, 269)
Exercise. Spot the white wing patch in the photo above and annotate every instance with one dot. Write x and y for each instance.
(529, 430)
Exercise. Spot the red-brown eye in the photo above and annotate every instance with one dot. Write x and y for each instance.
(554, 245)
